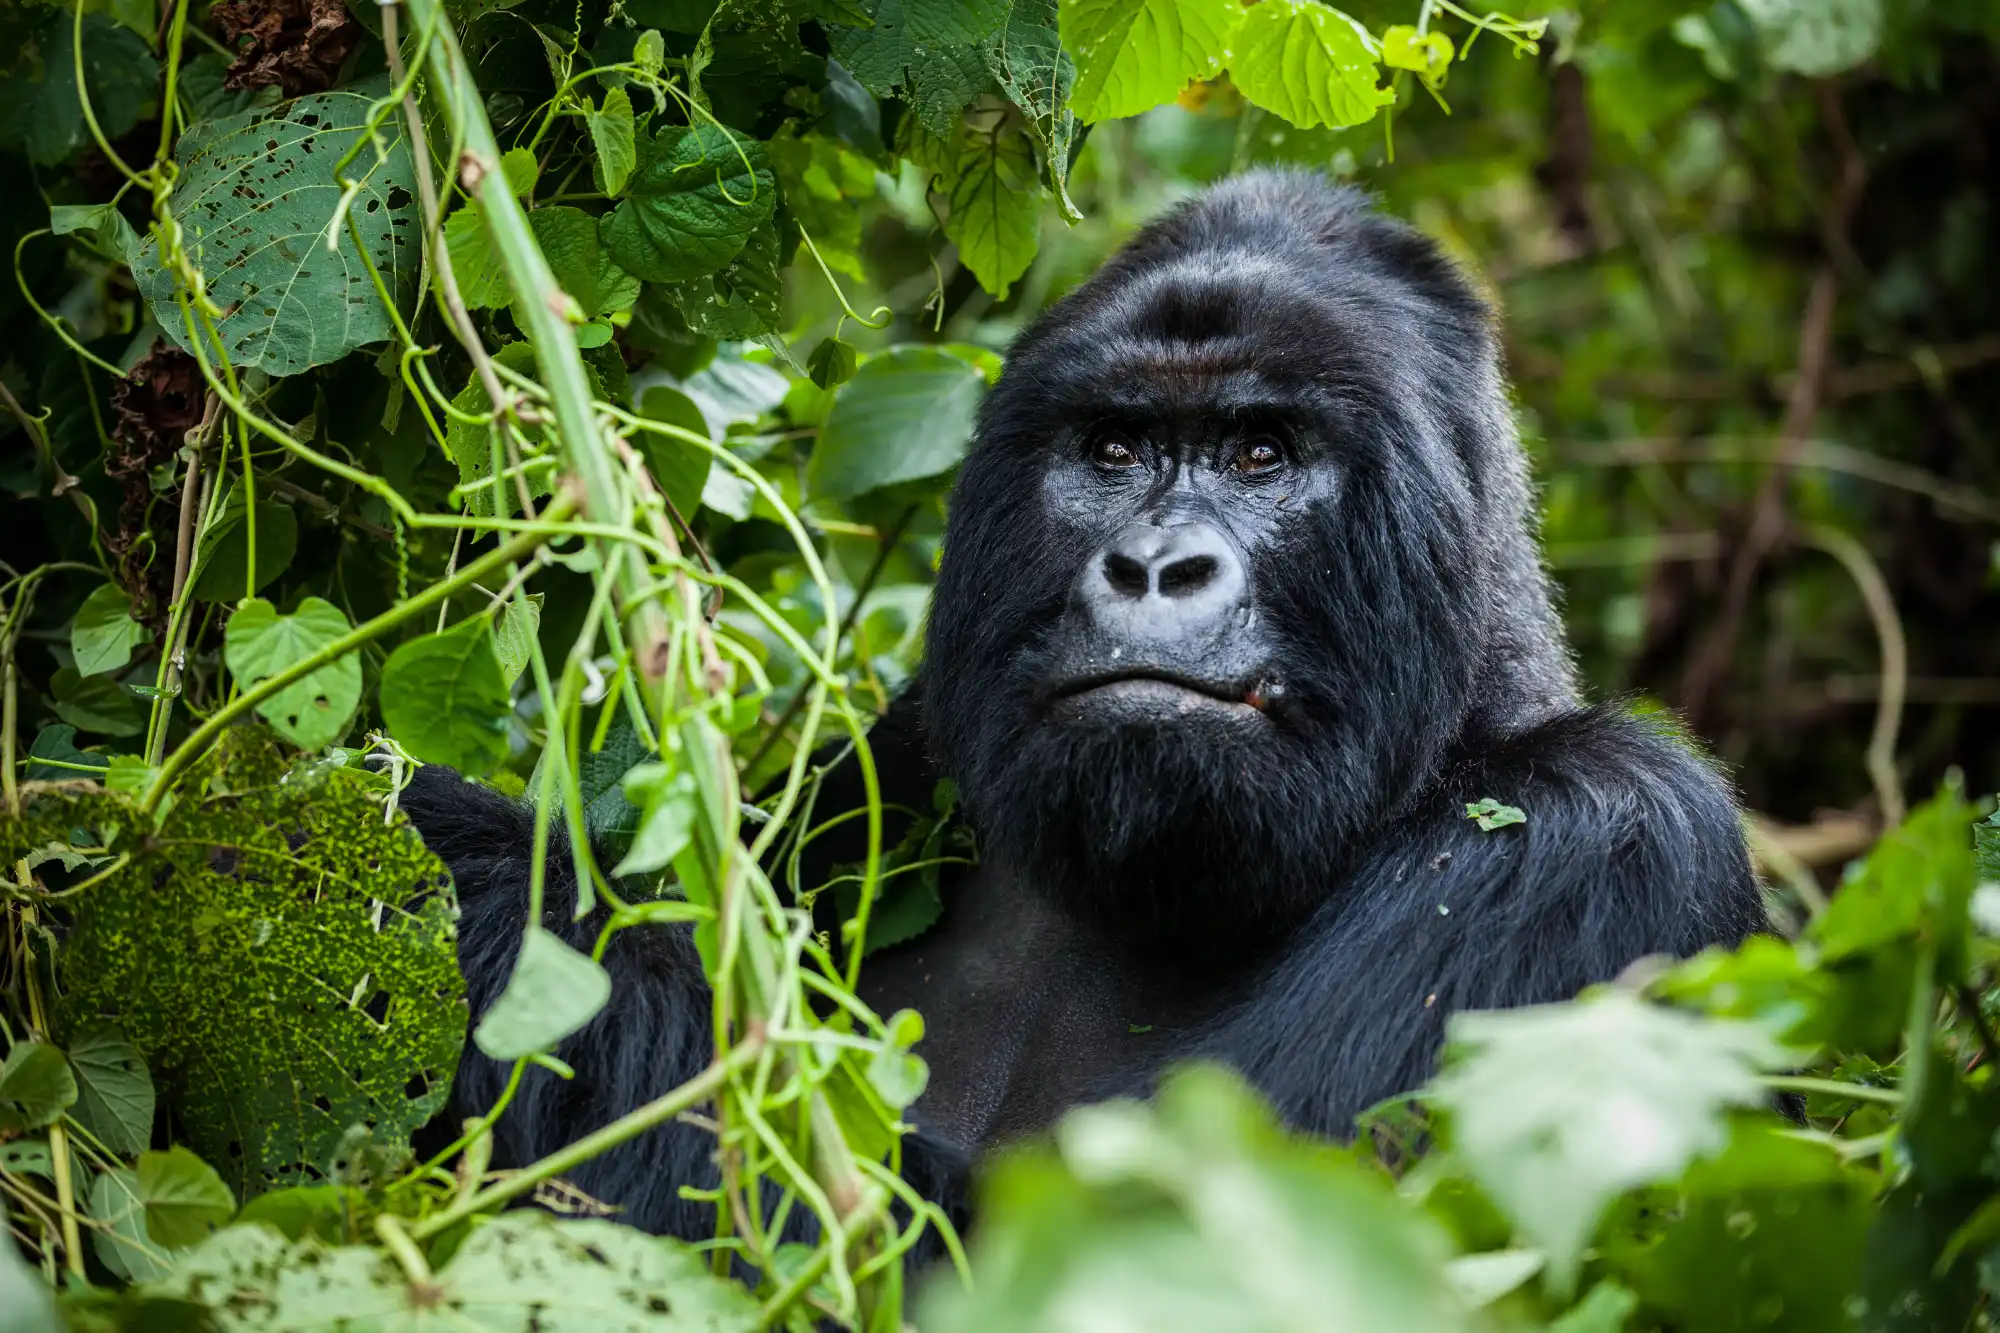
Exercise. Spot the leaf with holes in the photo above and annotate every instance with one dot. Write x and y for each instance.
(1027, 61)
(444, 698)
(518, 1272)
(259, 643)
(256, 196)
(281, 956)
(937, 78)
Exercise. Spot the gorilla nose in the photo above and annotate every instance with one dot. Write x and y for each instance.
(1181, 576)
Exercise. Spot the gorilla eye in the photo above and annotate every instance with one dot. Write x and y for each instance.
(1258, 456)
(1111, 451)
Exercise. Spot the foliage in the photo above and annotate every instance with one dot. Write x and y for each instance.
(490, 384)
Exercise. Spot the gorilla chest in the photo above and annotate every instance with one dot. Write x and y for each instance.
(1026, 1012)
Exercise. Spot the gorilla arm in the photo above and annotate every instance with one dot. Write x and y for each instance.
(653, 1034)
(1632, 847)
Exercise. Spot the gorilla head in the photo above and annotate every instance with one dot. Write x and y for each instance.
(1241, 553)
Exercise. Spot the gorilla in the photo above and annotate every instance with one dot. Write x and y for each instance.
(1240, 607)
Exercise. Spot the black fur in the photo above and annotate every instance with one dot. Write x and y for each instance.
(1273, 866)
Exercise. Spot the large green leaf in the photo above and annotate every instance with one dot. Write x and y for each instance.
(445, 700)
(908, 413)
(259, 643)
(223, 552)
(518, 1273)
(114, 1092)
(41, 116)
(740, 302)
(1193, 1215)
(103, 634)
(281, 955)
(586, 270)
(97, 703)
(996, 209)
(1027, 61)
(887, 59)
(183, 1197)
(1557, 1109)
(692, 205)
(256, 196)
(1133, 55)
(1308, 63)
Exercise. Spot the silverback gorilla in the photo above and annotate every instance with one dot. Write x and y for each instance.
(1240, 606)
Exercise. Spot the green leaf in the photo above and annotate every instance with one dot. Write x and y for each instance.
(26, 1303)
(1816, 38)
(101, 224)
(611, 133)
(223, 551)
(122, 1245)
(445, 698)
(1190, 1215)
(692, 205)
(832, 363)
(1134, 55)
(259, 643)
(1606, 1309)
(473, 447)
(680, 468)
(114, 1093)
(41, 116)
(103, 634)
(886, 59)
(1557, 1109)
(954, 22)
(256, 194)
(908, 413)
(36, 1087)
(183, 1197)
(1027, 60)
(54, 756)
(1309, 64)
(514, 634)
(667, 804)
(996, 209)
(1918, 878)
(1426, 54)
(554, 990)
(586, 270)
(519, 1272)
(281, 956)
(1491, 814)
(475, 259)
(740, 302)
(97, 704)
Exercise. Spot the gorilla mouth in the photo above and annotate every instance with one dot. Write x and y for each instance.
(1155, 692)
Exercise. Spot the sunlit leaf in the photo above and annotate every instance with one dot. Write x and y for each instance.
(1132, 55)
(1311, 64)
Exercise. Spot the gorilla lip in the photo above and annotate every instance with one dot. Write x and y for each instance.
(1181, 692)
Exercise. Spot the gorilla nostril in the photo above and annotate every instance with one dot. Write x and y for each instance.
(1188, 575)
(1125, 574)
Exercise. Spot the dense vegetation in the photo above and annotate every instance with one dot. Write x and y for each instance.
(567, 391)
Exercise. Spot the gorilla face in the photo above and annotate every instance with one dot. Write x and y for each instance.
(1212, 578)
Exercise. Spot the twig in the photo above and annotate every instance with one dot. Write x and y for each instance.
(454, 304)
(1767, 518)
(1874, 589)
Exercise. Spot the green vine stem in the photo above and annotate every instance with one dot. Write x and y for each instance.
(199, 740)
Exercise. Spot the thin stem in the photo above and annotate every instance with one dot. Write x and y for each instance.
(1832, 1087)
(197, 743)
(701, 1088)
